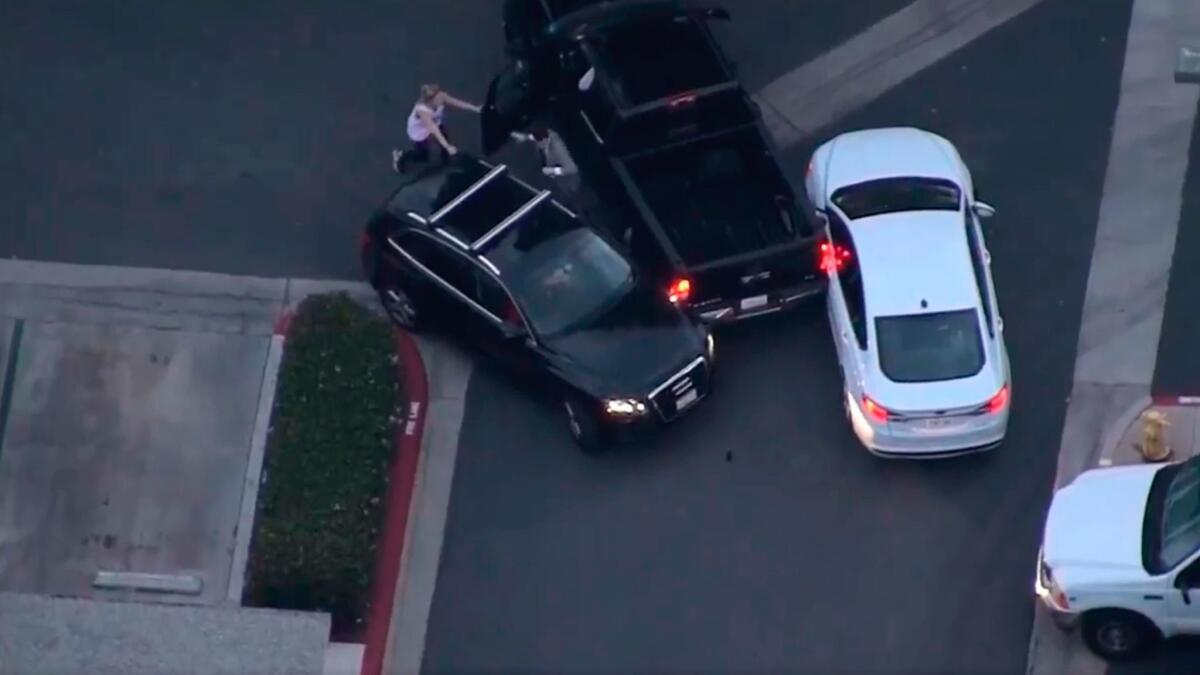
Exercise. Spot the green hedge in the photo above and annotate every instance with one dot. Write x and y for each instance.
(326, 465)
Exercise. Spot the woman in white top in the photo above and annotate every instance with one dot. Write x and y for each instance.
(425, 126)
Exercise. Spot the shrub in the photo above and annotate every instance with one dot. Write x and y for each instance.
(326, 465)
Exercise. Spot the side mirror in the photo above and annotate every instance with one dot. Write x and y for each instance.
(983, 209)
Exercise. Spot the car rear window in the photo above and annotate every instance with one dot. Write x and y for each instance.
(930, 347)
(889, 195)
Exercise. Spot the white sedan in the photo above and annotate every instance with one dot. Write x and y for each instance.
(911, 301)
(1121, 556)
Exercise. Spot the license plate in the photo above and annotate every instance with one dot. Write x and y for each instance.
(689, 397)
(754, 303)
(936, 424)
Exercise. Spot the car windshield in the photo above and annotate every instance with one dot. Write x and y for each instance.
(561, 272)
(890, 195)
(1180, 525)
(930, 347)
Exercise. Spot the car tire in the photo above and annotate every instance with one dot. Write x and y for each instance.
(583, 425)
(1119, 635)
(400, 308)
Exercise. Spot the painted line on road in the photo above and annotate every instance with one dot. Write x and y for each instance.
(10, 376)
(863, 68)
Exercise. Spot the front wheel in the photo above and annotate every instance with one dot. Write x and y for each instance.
(1118, 635)
(400, 308)
(582, 424)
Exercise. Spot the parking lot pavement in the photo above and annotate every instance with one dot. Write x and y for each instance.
(126, 438)
(255, 138)
(755, 534)
(245, 138)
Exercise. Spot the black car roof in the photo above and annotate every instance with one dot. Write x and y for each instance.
(468, 201)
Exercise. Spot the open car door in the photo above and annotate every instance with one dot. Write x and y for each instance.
(510, 105)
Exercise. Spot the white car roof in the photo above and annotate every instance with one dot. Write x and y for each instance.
(890, 152)
(910, 256)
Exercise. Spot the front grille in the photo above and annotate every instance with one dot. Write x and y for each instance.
(681, 390)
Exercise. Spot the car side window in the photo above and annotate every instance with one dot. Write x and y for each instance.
(491, 295)
(452, 268)
(1190, 576)
(849, 279)
(979, 265)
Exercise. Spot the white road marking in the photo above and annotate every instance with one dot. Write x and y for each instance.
(881, 57)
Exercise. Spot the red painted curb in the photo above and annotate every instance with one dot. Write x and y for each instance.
(1173, 400)
(284, 322)
(397, 504)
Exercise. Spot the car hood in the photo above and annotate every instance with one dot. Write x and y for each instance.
(630, 349)
(1096, 520)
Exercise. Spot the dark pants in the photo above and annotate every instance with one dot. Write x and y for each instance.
(422, 151)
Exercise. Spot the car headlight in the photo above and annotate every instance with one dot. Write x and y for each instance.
(710, 346)
(624, 407)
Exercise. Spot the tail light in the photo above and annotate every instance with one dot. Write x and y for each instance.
(874, 410)
(832, 257)
(365, 240)
(681, 100)
(679, 291)
(998, 402)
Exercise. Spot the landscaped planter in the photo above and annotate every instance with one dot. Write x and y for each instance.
(325, 474)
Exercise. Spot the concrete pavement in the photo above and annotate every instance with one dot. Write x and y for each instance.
(133, 413)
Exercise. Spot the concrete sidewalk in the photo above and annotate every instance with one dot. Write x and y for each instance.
(134, 409)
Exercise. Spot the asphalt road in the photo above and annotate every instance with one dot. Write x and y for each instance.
(756, 536)
(1177, 370)
(254, 138)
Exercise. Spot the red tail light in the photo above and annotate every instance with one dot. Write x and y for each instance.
(679, 291)
(365, 240)
(832, 257)
(874, 410)
(998, 402)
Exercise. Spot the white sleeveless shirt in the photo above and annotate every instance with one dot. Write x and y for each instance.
(416, 129)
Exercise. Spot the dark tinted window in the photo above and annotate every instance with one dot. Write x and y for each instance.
(435, 186)
(929, 347)
(561, 272)
(849, 279)
(451, 267)
(890, 195)
(1179, 534)
(979, 265)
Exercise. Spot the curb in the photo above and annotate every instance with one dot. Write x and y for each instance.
(254, 464)
(1113, 434)
(398, 504)
(1176, 401)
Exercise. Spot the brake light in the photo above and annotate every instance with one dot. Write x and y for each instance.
(999, 401)
(874, 410)
(832, 258)
(679, 291)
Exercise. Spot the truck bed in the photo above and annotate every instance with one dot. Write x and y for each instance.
(717, 197)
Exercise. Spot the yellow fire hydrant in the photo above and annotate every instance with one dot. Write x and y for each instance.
(1153, 446)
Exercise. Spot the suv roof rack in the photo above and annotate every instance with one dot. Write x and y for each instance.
(449, 206)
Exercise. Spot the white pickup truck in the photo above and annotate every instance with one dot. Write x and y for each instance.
(1120, 556)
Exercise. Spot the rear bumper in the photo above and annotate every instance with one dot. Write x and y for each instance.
(883, 440)
(729, 310)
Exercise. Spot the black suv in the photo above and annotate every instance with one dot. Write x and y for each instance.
(470, 249)
(650, 107)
